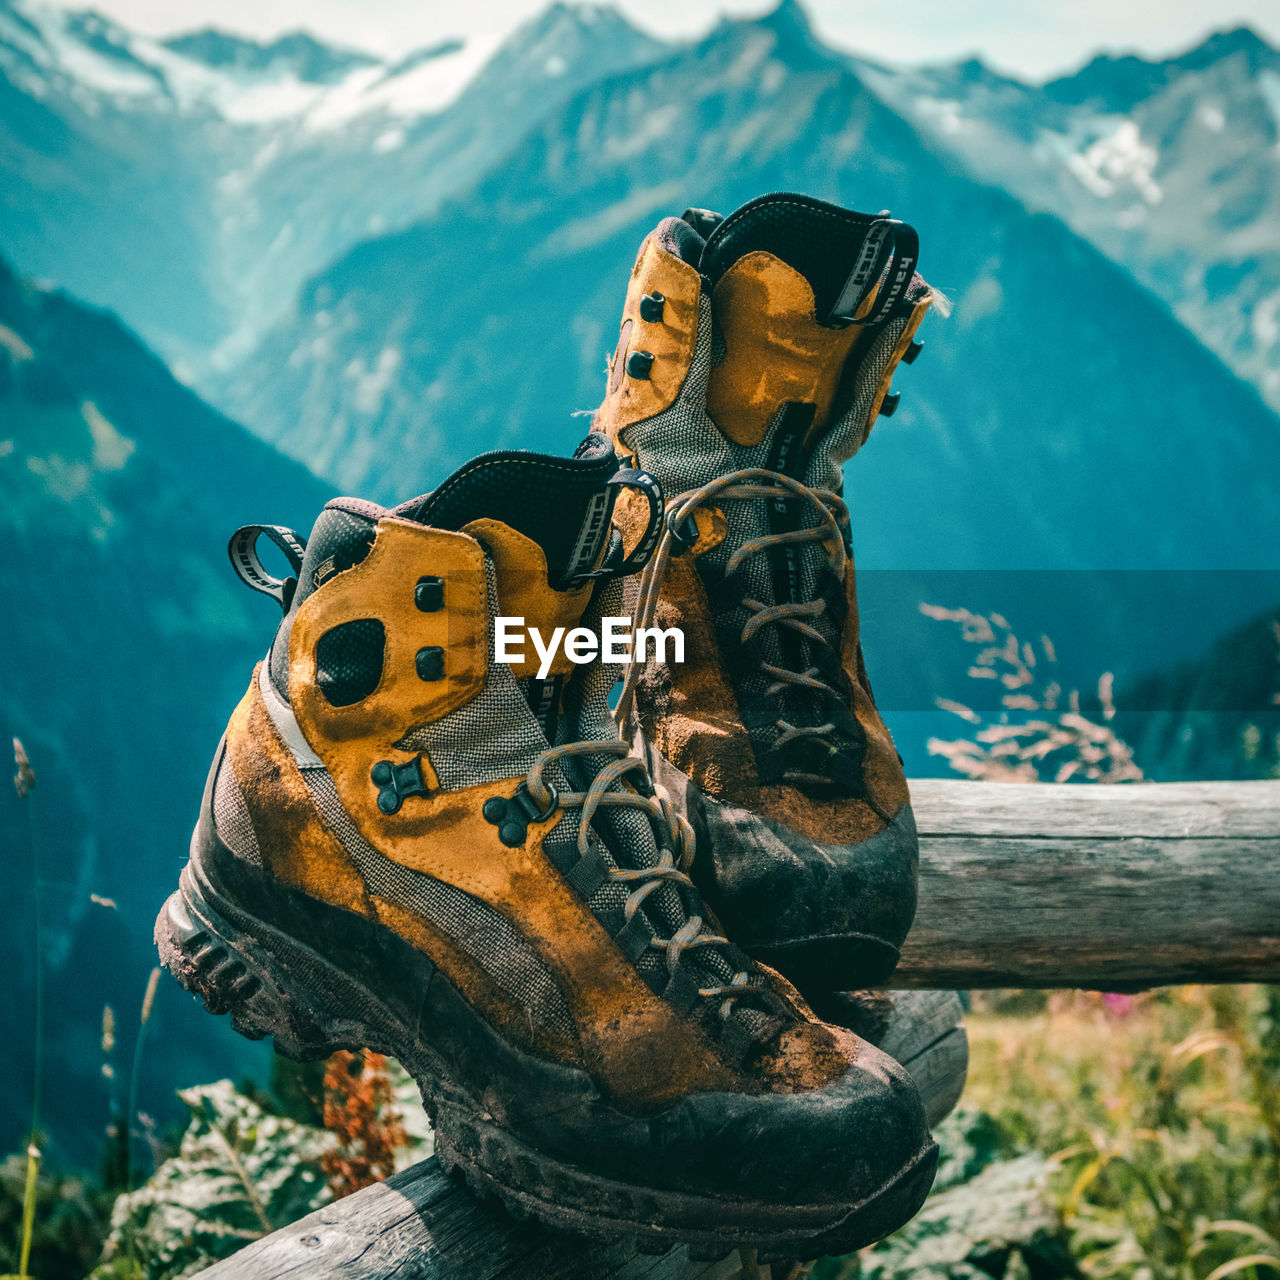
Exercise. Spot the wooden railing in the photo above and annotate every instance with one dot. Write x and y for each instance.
(1111, 888)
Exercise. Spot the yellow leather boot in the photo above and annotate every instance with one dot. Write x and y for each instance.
(411, 843)
(755, 353)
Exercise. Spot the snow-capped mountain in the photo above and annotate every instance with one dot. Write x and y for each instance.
(193, 184)
(1057, 419)
(1172, 168)
(196, 185)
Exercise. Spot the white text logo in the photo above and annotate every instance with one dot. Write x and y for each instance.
(614, 642)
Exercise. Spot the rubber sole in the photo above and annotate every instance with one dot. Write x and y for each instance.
(849, 961)
(271, 984)
(815, 962)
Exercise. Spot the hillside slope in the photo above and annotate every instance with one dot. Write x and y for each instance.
(126, 643)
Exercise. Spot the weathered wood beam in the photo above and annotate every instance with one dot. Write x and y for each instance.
(1112, 888)
(422, 1225)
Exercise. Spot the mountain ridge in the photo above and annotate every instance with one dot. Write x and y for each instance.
(1171, 168)
(194, 200)
(315, 61)
(127, 641)
(386, 353)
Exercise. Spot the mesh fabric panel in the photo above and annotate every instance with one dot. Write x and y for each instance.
(493, 736)
(231, 816)
(349, 661)
(686, 450)
(341, 537)
(628, 833)
(495, 943)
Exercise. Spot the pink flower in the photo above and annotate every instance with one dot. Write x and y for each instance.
(1117, 1004)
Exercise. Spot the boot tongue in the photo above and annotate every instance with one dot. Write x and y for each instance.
(842, 254)
(563, 504)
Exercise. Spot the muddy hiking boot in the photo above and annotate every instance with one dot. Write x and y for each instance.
(409, 845)
(755, 353)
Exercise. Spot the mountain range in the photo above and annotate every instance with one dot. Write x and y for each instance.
(1061, 418)
(1170, 167)
(192, 185)
(222, 173)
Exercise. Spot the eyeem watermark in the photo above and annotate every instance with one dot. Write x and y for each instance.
(616, 641)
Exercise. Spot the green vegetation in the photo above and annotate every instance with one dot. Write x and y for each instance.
(1108, 1136)
(1162, 1112)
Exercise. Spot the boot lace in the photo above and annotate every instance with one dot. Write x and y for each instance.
(675, 858)
(752, 484)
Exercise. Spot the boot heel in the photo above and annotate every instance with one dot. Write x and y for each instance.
(237, 973)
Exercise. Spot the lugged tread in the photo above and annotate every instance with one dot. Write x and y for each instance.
(491, 1162)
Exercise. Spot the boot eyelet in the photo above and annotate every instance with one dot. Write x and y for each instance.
(553, 801)
(640, 364)
(395, 782)
(684, 533)
(429, 662)
(513, 816)
(651, 306)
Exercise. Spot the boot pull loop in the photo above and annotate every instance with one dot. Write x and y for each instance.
(890, 243)
(243, 550)
(643, 482)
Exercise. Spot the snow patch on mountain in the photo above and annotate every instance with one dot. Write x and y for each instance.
(373, 382)
(1269, 88)
(1170, 167)
(295, 80)
(91, 53)
(422, 85)
(1117, 158)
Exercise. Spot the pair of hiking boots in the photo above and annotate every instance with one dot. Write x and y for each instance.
(582, 943)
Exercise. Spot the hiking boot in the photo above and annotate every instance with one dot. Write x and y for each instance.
(409, 844)
(756, 352)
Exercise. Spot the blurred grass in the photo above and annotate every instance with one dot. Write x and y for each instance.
(1164, 1110)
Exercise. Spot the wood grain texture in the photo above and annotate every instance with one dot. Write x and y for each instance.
(422, 1225)
(1108, 887)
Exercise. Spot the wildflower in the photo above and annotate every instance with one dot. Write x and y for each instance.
(1045, 741)
(150, 997)
(25, 778)
(359, 1108)
(1117, 1004)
